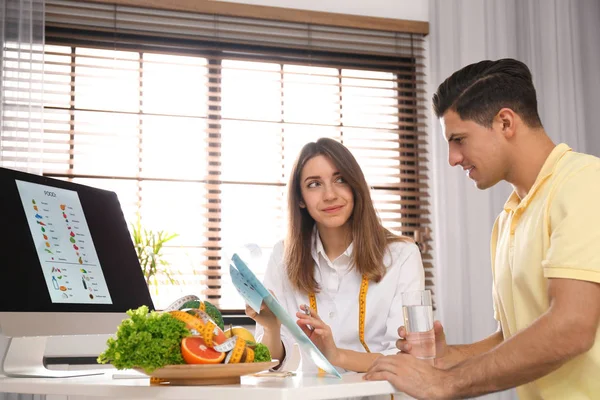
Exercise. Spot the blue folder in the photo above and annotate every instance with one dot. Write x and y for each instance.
(254, 293)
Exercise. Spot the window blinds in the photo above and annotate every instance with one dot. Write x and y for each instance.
(195, 121)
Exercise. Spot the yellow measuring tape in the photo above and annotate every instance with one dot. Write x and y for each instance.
(362, 309)
(313, 305)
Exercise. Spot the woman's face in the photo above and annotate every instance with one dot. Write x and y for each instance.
(326, 195)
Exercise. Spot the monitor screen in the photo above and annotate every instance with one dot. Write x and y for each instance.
(64, 245)
(66, 251)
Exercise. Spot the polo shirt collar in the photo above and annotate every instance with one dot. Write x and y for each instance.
(547, 170)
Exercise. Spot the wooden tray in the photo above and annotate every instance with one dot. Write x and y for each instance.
(206, 374)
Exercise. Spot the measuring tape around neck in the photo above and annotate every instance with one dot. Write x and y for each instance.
(362, 309)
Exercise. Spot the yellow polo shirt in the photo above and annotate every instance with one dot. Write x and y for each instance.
(554, 232)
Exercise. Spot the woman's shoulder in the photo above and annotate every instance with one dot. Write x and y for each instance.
(400, 250)
(401, 246)
(278, 248)
(275, 268)
(277, 254)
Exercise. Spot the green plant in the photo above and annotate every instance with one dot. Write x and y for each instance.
(149, 246)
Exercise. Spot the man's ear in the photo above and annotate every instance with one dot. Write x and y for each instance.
(506, 119)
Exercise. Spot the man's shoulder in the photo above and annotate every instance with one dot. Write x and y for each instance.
(573, 162)
(574, 180)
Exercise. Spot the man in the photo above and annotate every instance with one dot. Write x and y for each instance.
(545, 250)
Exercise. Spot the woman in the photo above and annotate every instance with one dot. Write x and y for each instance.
(340, 260)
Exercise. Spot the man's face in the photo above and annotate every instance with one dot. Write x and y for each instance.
(480, 151)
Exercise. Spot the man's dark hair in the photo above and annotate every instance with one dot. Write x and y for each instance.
(478, 91)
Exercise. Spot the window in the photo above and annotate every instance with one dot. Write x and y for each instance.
(198, 136)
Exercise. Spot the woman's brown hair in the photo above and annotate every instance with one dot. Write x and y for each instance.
(369, 237)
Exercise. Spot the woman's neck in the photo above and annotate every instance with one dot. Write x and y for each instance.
(335, 240)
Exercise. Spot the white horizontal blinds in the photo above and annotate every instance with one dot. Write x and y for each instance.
(199, 124)
(21, 85)
(112, 120)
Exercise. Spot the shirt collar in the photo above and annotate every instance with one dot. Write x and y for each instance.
(317, 246)
(547, 170)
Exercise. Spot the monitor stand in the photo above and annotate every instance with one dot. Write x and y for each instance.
(25, 359)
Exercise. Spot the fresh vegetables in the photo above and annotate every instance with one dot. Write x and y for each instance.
(208, 307)
(191, 304)
(215, 314)
(146, 340)
(152, 340)
(261, 352)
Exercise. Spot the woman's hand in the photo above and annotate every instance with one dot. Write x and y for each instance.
(319, 333)
(265, 318)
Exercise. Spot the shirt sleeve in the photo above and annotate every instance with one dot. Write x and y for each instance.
(574, 223)
(493, 243)
(411, 278)
(275, 281)
(495, 302)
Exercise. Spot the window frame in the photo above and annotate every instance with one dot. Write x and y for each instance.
(421, 236)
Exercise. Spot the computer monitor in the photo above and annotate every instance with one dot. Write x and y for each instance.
(67, 267)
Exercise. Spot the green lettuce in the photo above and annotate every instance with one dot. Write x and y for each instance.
(261, 353)
(146, 340)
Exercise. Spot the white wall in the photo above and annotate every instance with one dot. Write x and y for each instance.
(590, 60)
(416, 10)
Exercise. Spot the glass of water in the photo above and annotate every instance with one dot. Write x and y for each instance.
(418, 322)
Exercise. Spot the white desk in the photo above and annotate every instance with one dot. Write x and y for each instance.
(104, 387)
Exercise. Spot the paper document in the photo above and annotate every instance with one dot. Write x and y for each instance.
(254, 293)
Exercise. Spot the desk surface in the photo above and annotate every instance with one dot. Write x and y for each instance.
(251, 388)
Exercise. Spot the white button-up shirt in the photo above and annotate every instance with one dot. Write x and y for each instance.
(337, 302)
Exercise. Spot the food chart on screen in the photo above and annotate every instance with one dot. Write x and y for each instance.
(64, 245)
